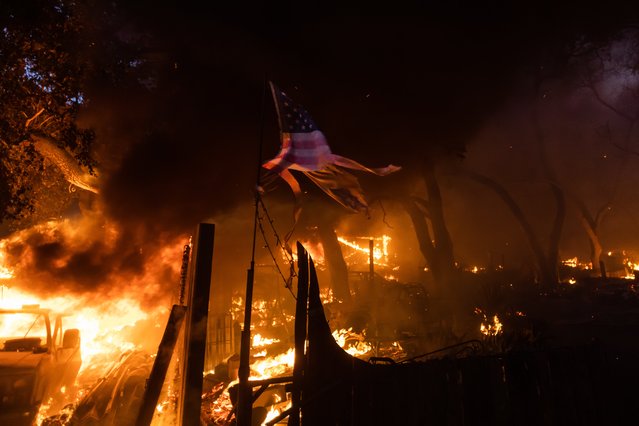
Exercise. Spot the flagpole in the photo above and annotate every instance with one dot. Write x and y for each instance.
(245, 392)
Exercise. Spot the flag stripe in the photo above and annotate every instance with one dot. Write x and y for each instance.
(304, 148)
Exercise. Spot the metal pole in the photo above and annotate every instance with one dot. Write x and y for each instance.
(373, 293)
(245, 399)
(371, 260)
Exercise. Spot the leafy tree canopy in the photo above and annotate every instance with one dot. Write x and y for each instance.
(51, 53)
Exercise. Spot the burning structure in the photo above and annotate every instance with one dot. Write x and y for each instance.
(516, 140)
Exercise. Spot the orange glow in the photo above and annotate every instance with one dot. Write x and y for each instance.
(353, 343)
(380, 248)
(491, 329)
(273, 366)
(259, 341)
(113, 314)
(574, 262)
(100, 324)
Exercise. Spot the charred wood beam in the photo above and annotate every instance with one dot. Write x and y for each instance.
(456, 345)
(196, 324)
(301, 309)
(160, 366)
(280, 417)
(271, 381)
(244, 409)
(286, 413)
(259, 393)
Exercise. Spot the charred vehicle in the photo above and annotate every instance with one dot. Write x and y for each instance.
(37, 360)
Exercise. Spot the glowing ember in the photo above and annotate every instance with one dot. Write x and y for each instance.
(475, 269)
(326, 296)
(217, 405)
(572, 262)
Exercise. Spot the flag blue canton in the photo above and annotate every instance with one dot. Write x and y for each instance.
(294, 118)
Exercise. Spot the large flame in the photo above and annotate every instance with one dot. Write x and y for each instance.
(101, 322)
(120, 303)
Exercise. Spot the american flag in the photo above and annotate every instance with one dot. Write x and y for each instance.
(304, 148)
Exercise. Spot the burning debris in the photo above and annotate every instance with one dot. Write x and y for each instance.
(79, 267)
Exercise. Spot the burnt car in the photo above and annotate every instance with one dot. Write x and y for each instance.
(38, 358)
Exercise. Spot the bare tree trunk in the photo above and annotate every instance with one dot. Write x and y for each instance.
(444, 257)
(335, 262)
(546, 272)
(555, 236)
(434, 240)
(422, 232)
(591, 226)
(551, 275)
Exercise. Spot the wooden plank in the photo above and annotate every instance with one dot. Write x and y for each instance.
(160, 366)
(196, 325)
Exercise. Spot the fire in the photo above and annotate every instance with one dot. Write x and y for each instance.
(100, 324)
(217, 403)
(380, 247)
(259, 341)
(491, 329)
(314, 249)
(475, 269)
(5, 272)
(274, 366)
(85, 269)
(275, 410)
(326, 295)
(352, 342)
(574, 262)
(632, 266)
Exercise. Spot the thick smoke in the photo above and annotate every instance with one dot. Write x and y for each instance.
(92, 256)
(183, 147)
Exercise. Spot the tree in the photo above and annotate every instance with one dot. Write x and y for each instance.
(52, 53)
(428, 218)
(41, 81)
